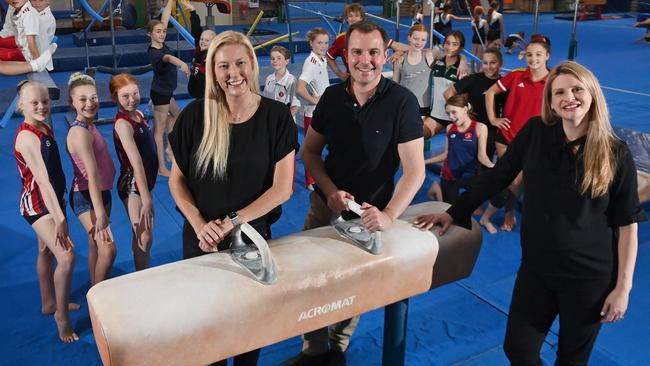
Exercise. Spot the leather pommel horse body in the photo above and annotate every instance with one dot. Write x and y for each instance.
(200, 310)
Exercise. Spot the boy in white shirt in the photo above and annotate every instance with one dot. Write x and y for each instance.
(46, 26)
(314, 80)
(281, 85)
(19, 36)
(19, 41)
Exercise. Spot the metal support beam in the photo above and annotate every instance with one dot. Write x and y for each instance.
(395, 319)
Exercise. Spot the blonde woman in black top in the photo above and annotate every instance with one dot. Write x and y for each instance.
(579, 220)
(233, 154)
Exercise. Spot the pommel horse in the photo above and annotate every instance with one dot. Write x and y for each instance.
(201, 310)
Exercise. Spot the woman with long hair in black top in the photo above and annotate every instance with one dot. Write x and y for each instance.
(579, 221)
(234, 155)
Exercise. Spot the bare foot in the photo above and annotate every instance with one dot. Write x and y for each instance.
(509, 221)
(163, 172)
(50, 309)
(478, 211)
(66, 333)
(488, 226)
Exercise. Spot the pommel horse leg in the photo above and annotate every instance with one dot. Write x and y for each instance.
(457, 255)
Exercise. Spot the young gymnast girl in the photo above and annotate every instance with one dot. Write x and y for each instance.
(496, 35)
(413, 70)
(525, 89)
(479, 32)
(43, 206)
(445, 73)
(465, 148)
(165, 109)
(202, 39)
(90, 195)
(314, 80)
(136, 151)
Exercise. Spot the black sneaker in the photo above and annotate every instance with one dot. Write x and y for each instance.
(336, 358)
(304, 359)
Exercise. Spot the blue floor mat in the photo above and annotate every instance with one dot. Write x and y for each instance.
(459, 324)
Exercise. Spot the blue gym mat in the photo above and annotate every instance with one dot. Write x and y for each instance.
(459, 324)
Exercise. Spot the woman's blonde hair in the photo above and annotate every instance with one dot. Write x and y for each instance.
(599, 157)
(215, 142)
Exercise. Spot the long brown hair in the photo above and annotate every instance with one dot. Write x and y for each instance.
(599, 157)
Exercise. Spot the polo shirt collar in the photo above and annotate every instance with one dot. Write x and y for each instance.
(560, 142)
(285, 79)
(381, 87)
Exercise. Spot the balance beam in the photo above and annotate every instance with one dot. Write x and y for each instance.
(200, 310)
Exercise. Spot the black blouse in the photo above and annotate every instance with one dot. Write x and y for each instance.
(255, 147)
(563, 232)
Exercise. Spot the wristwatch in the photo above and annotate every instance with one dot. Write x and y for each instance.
(234, 218)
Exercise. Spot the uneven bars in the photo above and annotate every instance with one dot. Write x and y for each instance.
(274, 40)
(254, 25)
(324, 16)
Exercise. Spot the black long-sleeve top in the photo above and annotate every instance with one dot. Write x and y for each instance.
(563, 232)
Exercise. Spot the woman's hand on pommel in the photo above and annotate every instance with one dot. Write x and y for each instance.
(210, 235)
(426, 222)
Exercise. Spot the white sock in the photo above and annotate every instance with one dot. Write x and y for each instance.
(41, 62)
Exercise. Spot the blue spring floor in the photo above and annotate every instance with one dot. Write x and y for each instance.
(459, 324)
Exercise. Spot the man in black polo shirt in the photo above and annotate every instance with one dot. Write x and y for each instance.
(370, 124)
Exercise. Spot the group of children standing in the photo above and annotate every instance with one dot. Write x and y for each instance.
(42, 198)
(477, 120)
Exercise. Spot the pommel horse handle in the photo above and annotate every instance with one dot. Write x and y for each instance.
(356, 232)
(258, 261)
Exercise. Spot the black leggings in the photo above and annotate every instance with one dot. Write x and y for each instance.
(537, 300)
